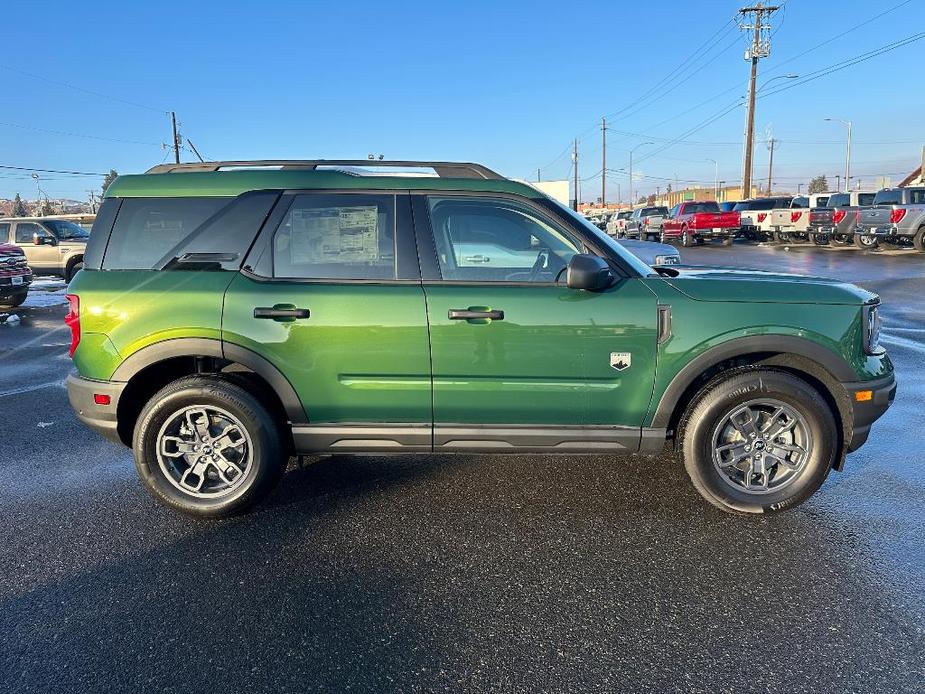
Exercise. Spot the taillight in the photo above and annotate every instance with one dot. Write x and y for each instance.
(72, 320)
(762, 216)
(645, 221)
(838, 215)
(794, 216)
(897, 215)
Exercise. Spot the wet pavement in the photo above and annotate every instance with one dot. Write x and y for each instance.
(464, 573)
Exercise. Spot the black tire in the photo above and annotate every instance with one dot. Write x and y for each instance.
(687, 239)
(727, 240)
(918, 241)
(711, 408)
(13, 300)
(841, 239)
(268, 456)
(73, 269)
(866, 242)
(780, 236)
(820, 239)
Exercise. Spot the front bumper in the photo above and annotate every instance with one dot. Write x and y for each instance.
(7, 288)
(81, 393)
(866, 412)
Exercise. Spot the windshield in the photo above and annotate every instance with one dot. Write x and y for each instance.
(65, 230)
(603, 239)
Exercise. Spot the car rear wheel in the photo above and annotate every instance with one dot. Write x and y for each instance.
(207, 447)
(73, 269)
(820, 239)
(781, 237)
(687, 238)
(918, 241)
(727, 240)
(758, 440)
(867, 242)
(841, 239)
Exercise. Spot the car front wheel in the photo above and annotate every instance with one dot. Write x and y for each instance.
(207, 447)
(758, 440)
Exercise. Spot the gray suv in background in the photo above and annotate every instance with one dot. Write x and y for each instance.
(897, 217)
(646, 223)
(52, 246)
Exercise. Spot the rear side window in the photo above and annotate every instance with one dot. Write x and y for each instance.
(346, 236)
(147, 228)
(889, 197)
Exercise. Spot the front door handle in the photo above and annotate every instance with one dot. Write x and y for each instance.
(472, 314)
(283, 312)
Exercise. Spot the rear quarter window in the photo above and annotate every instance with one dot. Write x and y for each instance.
(194, 233)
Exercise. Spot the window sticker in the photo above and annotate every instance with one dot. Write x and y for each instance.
(335, 235)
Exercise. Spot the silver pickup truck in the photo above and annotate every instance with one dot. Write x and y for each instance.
(896, 217)
(837, 220)
(646, 223)
(792, 223)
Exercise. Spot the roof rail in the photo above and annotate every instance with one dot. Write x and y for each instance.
(443, 169)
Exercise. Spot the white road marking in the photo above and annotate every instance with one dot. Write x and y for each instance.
(29, 389)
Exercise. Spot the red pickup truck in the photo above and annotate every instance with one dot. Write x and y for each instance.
(692, 222)
(15, 275)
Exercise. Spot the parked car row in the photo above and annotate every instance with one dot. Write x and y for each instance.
(15, 276)
(894, 216)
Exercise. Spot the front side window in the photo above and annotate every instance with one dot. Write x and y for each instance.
(66, 230)
(497, 240)
(346, 236)
(25, 230)
(4, 233)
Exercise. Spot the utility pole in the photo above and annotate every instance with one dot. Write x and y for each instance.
(575, 168)
(195, 151)
(799, 186)
(176, 137)
(760, 48)
(837, 181)
(771, 143)
(603, 162)
(538, 177)
(715, 179)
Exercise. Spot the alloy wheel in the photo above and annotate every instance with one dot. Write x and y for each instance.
(204, 451)
(761, 446)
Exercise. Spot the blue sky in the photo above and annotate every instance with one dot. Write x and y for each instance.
(507, 84)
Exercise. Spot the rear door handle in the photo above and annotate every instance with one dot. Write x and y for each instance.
(281, 312)
(470, 314)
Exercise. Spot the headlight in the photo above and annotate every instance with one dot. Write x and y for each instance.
(872, 328)
(667, 260)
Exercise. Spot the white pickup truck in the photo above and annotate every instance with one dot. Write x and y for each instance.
(755, 216)
(793, 223)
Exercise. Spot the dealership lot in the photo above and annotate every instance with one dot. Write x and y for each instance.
(462, 573)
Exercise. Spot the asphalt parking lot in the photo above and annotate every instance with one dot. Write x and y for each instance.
(462, 573)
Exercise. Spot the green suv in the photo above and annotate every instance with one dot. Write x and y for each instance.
(231, 315)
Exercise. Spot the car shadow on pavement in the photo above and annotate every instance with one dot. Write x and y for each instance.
(468, 574)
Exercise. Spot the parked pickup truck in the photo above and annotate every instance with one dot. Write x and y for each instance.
(617, 224)
(693, 222)
(793, 223)
(15, 276)
(756, 216)
(836, 221)
(897, 216)
(646, 223)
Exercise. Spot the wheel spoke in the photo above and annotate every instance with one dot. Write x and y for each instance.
(223, 466)
(231, 437)
(197, 471)
(747, 427)
(198, 421)
(180, 447)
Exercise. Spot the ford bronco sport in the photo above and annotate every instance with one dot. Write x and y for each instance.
(233, 314)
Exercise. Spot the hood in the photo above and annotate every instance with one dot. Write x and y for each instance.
(758, 286)
(8, 249)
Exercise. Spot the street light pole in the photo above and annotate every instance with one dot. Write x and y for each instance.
(715, 179)
(632, 196)
(847, 154)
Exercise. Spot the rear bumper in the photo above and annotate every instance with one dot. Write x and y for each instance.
(100, 418)
(880, 232)
(866, 412)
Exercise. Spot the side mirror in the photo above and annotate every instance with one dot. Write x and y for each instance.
(588, 272)
(38, 239)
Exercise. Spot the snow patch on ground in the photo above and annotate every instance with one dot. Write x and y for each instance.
(42, 299)
(8, 319)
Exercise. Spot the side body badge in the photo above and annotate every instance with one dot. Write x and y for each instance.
(621, 361)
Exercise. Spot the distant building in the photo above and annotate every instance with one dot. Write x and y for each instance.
(557, 190)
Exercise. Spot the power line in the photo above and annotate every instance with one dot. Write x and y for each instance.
(55, 171)
(91, 92)
(82, 135)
